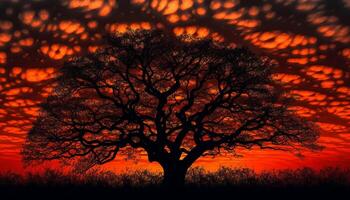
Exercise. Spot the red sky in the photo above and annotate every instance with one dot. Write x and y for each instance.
(309, 39)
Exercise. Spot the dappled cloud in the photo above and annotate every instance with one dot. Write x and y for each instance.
(309, 39)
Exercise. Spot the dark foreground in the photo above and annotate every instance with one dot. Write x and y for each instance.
(225, 183)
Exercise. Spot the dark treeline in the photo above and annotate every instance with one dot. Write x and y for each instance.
(228, 182)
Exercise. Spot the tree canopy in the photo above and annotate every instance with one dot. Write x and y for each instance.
(177, 98)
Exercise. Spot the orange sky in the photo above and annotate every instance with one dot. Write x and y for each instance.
(309, 39)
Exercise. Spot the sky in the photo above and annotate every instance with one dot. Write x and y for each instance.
(308, 38)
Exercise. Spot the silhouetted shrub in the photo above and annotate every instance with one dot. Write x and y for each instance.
(240, 181)
(197, 178)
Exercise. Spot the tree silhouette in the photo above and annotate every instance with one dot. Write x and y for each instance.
(176, 98)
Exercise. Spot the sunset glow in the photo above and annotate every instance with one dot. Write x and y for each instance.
(308, 39)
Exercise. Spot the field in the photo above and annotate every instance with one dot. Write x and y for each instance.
(224, 183)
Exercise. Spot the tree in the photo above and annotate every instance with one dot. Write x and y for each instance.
(177, 98)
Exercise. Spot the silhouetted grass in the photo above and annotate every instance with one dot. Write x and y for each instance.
(230, 182)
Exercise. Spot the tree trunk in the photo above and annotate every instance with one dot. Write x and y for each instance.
(174, 175)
